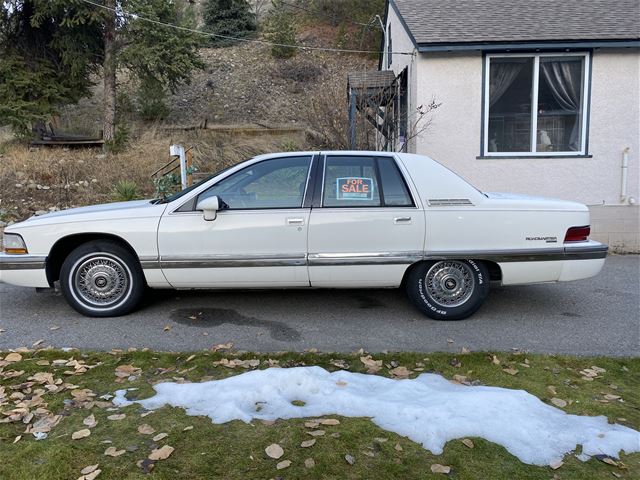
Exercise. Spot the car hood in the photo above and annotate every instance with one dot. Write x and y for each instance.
(107, 211)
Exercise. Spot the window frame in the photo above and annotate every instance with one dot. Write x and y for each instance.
(192, 203)
(376, 169)
(532, 153)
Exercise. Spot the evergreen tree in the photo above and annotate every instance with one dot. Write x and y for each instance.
(50, 50)
(232, 18)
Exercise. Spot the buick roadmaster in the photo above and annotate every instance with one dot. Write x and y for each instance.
(310, 219)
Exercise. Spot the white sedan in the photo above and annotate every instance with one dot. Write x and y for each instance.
(312, 219)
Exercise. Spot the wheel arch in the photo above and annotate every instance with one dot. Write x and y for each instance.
(65, 245)
(495, 272)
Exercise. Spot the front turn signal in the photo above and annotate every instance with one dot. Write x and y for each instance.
(14, 244)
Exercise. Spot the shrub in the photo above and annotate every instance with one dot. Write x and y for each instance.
(152, 100)
(280, 28)
(233, 18)
(125, 190)
(120, 139)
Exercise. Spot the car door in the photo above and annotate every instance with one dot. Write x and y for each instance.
(365, 227)
(259, 240)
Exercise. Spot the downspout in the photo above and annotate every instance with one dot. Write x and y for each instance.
(625, 169)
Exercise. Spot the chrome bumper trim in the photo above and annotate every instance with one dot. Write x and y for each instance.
(22, 262)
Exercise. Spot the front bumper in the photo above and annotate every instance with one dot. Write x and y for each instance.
(24, 270)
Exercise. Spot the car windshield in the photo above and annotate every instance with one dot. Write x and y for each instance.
(181, 193)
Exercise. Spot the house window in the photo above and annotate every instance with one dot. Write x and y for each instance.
(535, 104)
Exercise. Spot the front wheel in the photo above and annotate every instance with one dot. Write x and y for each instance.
(102, 279)
(448, 289)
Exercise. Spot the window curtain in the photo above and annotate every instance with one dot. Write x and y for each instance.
(565, 81)
(501, 76)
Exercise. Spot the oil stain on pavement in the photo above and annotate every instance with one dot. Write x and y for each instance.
(215, 317)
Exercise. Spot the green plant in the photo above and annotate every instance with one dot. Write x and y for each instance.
(120, 139)
(232, 18)
(125, 190)
(280, 29)
(290, 146)
(151, 99)
(166, 184)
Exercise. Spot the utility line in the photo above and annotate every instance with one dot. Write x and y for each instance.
(229, 37)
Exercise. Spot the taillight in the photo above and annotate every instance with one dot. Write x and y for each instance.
(577, 234)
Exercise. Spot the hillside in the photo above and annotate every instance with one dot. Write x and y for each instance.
(241, 86)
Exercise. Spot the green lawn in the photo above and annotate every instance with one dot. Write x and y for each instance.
(237, 450)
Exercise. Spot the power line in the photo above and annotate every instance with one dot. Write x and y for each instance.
(229, 37)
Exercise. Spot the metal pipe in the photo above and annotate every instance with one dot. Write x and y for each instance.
(625, 169)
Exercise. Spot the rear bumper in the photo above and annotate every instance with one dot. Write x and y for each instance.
(24, 270)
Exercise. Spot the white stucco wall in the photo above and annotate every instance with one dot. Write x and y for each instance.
(454, 137)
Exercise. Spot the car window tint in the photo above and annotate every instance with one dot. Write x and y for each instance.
(277, 183)
(394, 190)
(350, 182)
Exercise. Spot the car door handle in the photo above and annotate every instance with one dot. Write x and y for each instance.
(405, 220)
(295, 221)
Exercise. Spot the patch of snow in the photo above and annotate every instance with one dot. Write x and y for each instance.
(429, 410)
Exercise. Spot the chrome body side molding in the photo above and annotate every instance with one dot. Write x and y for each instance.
(22, 262)
(449, 202)
(576, 252)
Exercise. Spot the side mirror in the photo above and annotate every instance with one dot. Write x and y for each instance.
(210, 207)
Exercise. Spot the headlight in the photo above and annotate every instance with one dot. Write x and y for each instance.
(13, 243)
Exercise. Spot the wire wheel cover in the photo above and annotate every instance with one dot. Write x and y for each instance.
(101, 281)
(450, 283)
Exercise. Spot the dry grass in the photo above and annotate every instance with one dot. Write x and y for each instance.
(65, 178)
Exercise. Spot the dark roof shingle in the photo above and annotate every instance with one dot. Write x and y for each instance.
(478, 21)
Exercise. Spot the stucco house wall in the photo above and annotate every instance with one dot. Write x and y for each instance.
(455, 80)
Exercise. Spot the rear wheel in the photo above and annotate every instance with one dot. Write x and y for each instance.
(102, 279)
(448, 289)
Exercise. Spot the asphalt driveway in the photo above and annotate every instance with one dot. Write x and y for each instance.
(597, 316)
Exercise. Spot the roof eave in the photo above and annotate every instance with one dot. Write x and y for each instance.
(534, 45)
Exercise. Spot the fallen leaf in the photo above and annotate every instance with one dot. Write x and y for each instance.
(113, 452)
(222, 346)
(117, 416)
(146, 429)
(308, 443)
(274, 451)
(510, 371)
(91, 476)
(330, 421)
(17, 439)
(89, 469)
(160, 436)
(85, 432)
(468, 442)
(13, 357)
(167, 328)
(90, 421)
(552, 390)
(495, 360)
(558, 402)
(283, 464)
(400, 372)
(350, 460)
(437, 468)
(449, 340)
(609, 461)
(146, 465)
(186, 429)
(54, 327)
(556, 465)
(191, 357)
(309, 463)
(312, 424)
(372, 365)
(398, 447)
(161, 453)
(316, 433)
(610, 396)
(465, 350)
(38, 342)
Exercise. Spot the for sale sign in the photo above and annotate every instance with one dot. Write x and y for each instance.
(354, 188)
